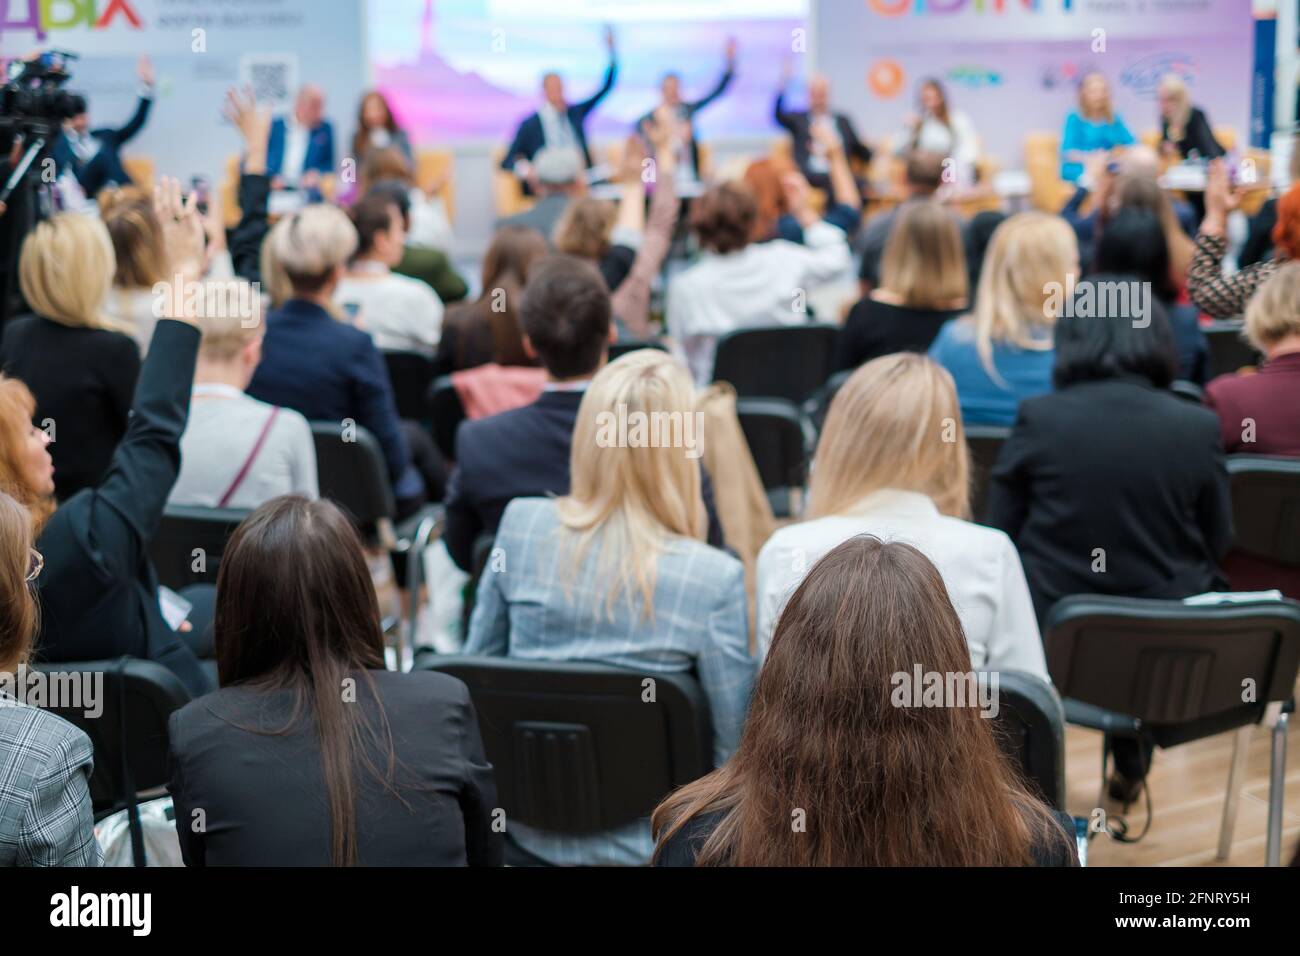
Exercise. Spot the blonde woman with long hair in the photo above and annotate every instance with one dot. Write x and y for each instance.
(1002, 352)
(617, 570)
(923, 285)
(892, 462)
(1184, 130)
(1094, 126)
(80, 364)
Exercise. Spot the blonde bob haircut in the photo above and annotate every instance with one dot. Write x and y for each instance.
(1029, 254)
(310, 244)
(924, 263)
(894, 424)
(1274, 310)
(66, 271)
(230, 320)
(629, 499)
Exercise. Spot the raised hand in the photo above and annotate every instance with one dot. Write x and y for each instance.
(144, 70)
(182, 229)
(253, 123)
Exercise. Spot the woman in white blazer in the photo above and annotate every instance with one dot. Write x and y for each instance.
(892, 462)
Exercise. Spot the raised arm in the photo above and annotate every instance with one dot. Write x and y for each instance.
(728, 74)
(611, 72)
(246, 238)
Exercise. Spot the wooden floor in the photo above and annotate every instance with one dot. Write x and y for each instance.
(1188, 784)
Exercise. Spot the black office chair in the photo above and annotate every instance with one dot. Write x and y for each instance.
(1167, 673)
(128, 733)
(410, 374)
(189, 543)
(580, 747)
(817, 406)
(984, 442)
(352, 473)
(1266, 524)
(782, 361)
(619, 349)
(1228, 351)
(445, 414)
(781, 441)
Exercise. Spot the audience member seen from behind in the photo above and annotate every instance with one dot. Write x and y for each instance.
(238, 452)
(354, 764)
(830, 728)
(1001, 353)
(79, 363)
(922, 287)
(911, 483)
(617, 572)
(922, 177)
(45, 810)
(1259, 411)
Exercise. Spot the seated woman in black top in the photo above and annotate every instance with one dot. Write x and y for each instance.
(923, 284)
(839, 763)
(1112, 484)
(313, 754)
(80, 364)
(1133, 244)
(1184, 130)
(98, 591)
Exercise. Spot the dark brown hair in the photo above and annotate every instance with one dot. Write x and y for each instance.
(880, 785)
(723, 218)
(361, 138)
(296, 610)
(373, 214)
(566, 315)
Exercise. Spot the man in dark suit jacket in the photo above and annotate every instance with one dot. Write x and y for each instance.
(800, 124)
(684, 111)
(94, 155)
(524, 452)
(301, 148)
(557, 124)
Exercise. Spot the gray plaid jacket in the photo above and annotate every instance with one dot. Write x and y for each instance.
(45, 813)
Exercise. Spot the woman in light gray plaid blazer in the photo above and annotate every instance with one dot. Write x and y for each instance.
(45, 762)
(617, 572)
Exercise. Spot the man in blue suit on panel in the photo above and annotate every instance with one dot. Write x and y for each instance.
(301, 148)
(557, 124)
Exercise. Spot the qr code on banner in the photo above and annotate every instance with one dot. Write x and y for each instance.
(273, 78)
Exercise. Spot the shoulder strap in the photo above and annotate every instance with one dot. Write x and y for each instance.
(248, 462)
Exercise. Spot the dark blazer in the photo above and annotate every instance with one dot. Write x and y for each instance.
(522, 453)
(328, 371)
(98, 591)
(686, 112)
(105, 167)
(83, 380)
(320, 148)
(799, 125)
(1197, 136)
(530, 137)
(263, 798)
(1269, 397)
(685, 844)
(245, 240)
(875, 328)
(1120, 466)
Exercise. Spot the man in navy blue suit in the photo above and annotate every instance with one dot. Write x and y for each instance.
(93, 155)
(557, 124)
(301, 149)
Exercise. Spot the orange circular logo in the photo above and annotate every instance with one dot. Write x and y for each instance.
(885, 79)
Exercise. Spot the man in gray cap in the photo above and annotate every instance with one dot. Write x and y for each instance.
(557, 172)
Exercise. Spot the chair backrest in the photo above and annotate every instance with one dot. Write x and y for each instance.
(984, 442)
(1030, 728)
(782, 361)
(619, 349)
(136, 694)
(1179, 669)
(352, 473)
(817, 407)
(189, 543)
(581, 747)
(1266, 507)
(410, 374)
(779, 439)
(445, 413)
(1228, 351)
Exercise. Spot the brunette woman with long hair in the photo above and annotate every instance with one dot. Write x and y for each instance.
(825, 745)
(354, 764)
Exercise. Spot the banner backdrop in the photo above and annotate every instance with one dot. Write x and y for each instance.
(1012, 65)
(199, 49)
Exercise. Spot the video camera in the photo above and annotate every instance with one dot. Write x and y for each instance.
(33, 100)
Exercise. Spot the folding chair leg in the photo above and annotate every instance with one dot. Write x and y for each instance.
(1276, 788)
(1232, 799)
